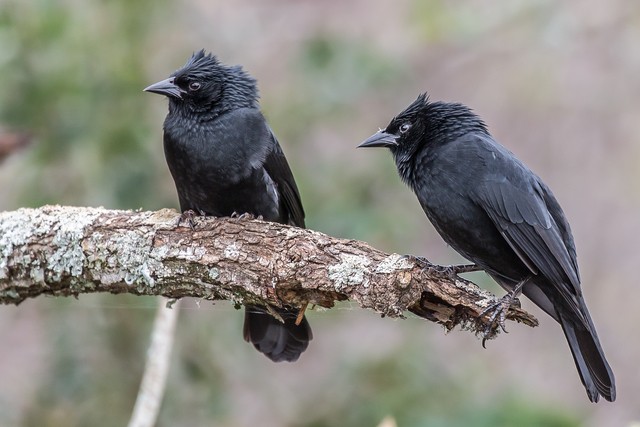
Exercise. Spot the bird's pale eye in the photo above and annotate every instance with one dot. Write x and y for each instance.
(193, 86)
(405, 127)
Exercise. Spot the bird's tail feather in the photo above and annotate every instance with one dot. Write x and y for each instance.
(279, 341)
(595, 372)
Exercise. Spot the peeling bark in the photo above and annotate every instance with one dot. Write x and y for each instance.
(65, 251)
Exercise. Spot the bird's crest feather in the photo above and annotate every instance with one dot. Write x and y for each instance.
(199, 63)
(416, 107)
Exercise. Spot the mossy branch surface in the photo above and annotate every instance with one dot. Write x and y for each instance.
(64, 251)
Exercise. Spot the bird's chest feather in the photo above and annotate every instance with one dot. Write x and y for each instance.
(443, 185)
(204, 153)
(218, 168)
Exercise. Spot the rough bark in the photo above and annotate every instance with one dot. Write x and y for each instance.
(65, 251)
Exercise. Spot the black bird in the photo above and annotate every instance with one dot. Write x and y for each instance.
(225, 160)
(494, 211)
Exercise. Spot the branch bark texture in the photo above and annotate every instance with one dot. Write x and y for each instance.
(65, 251)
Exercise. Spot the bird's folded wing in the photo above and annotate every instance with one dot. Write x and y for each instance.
(278, 169)
(525, 222)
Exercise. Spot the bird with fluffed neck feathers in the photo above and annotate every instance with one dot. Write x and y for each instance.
(225, 160)
(494, 211)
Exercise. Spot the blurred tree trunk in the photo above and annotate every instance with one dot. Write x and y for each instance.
(65, 251)
(154, 380)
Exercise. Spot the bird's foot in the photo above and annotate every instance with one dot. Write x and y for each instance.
(498, 311)
(187, 216)
(446, 271)
(245, 215)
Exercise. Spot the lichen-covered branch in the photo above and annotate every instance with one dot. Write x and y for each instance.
(64, 251)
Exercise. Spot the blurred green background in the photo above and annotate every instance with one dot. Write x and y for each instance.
(556, 82)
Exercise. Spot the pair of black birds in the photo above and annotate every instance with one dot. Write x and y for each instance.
(482, 200)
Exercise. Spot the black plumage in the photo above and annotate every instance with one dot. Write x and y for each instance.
(225, 160)
(494, 211)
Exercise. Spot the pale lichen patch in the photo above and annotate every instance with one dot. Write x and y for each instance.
(37, 274)
(12, 294)
(69, 227)
(124, 257)
(65, 225)
(232, 252)
(183, 250)
(214, 273)
(159, 252)
(487, 301)
(164, 218)
(352, 270)
(13, 233)
(291, 232)
(487, 297)
(392, 263)
(146, 275)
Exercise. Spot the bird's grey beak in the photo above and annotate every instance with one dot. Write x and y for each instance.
(165, 87)
(380, 139)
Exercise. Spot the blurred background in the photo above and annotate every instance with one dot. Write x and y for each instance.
(557, 83)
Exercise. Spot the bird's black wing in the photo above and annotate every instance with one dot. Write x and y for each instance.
(278, 169)
(531, 221)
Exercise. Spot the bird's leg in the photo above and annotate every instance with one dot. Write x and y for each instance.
(446, 271)
(499, 310)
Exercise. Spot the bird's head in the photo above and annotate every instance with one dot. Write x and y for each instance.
(405, 130)
(203, 82)
(424, 122)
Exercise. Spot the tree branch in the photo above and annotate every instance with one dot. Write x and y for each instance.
(64, 251)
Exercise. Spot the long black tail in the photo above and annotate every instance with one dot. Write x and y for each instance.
(595, 372)
(277, 340)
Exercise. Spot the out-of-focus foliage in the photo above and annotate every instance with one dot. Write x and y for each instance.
(92, 378)
(331, 72)
(73, 74)
(557, 83)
